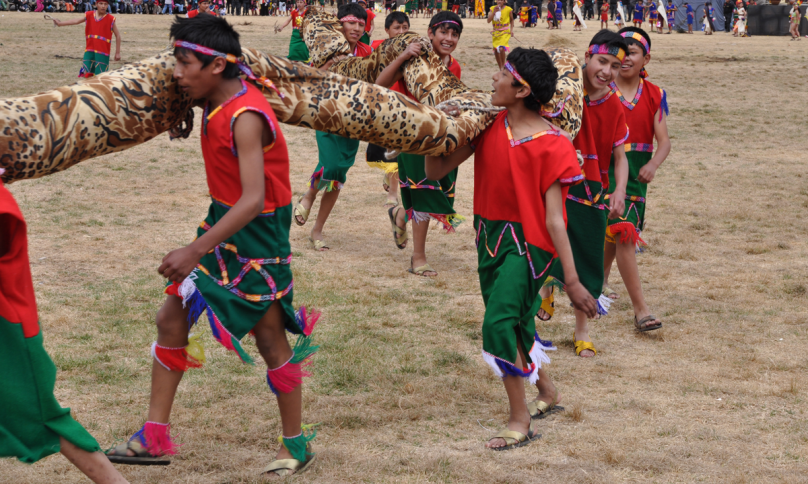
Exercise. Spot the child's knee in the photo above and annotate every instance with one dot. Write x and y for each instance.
(169, 321)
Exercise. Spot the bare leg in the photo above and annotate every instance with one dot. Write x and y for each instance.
(609, 252)
(520, 418)
(392, 192)
(419, 232)
(94, 465)
(627, 264)
(270, 338)
(326, 205)
(308, 200)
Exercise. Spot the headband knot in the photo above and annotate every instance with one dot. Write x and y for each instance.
(608, 50)
(231, 58)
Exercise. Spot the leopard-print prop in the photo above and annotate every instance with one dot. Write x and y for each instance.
(426, 76)
(54, 130)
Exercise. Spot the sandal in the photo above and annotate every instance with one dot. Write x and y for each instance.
(548, 305)
(319, 245)
(540, 409)
(287, 467)
(583, 345)
(610, 293)
(639, 325)
(399, 234)
(419, 271)
(302, 212)
(514, 439)
(391, 204)
(385, 185)
(142, 456)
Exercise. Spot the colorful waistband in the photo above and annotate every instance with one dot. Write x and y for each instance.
(98, 37)
(643, 147)
(629, 198)
(599, 206)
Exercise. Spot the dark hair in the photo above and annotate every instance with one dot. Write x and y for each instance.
(443, 16)
(610, 39)
(630, 42)
(537, 69)
(352, 9)
(212, 32)
(396, 16)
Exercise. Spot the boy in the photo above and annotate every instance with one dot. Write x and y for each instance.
(671, 15)
(421, 198)
(519, 187)
(98, 31)
(396, 23)
(337, 154)
(298, 51)
(370, 24)
(204, 7)
(603, 132)
(501, 19)
(245, 236)
(32, 423)
(646, 108)
(604, 16)
(691, 17)
(708, 19)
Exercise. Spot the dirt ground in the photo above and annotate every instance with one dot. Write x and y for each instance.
(399, 387)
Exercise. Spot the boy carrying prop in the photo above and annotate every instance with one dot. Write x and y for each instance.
(237, 271)
(646, 109)
(523, 167)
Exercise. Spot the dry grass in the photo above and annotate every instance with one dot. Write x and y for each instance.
(399, 385)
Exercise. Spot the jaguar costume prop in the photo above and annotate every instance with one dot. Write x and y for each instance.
(54, 130)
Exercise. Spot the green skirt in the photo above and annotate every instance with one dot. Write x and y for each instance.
(511, 274)
(629, 227)
(94, 63)
(336, 156)
(297, 48)
(583, 223)
(31, 420)
(424, 199)
(237, 282)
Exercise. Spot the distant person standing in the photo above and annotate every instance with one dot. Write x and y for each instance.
(612, 8)
(589, 10)
(729, 6)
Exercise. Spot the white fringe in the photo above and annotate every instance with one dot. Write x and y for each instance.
(538, 356)
(187, 287)
(604, 303)
(492, 362)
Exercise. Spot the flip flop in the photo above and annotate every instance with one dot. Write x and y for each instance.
(287, 467)
(642, 329)
(514, 439)
(419, 271)
(399, 234)
(142, 456)
(540, 409)
(300, 211)
(318, 245)
(608, 291)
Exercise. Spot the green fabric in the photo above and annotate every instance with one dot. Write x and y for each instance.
(584, 223)
(31, 420)
(94, 63)
(263, 238)
(365, 39)
(510, 287)
(439, 199)
(297, 47)
(411, 6)
(336, 156)
(635, 210)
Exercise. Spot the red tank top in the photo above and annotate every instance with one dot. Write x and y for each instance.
(17, 301)
(610, 130)
(98, 33)
(221, 157)
(194, 13)
(640, 113)
(585, 143)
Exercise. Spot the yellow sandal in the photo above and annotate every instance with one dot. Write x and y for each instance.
(583, 345)
(548, 305)
(287, 467)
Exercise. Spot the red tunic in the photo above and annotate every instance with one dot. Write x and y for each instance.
(297, 18)
(362, 50)
(98, 33)
(194, 13)
(585, 143)
(510, 173)
(17, 301)
(221, 158)
(640, 113)
(609, 129)
(371, 16)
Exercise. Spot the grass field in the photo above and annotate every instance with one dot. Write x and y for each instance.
(399, 388)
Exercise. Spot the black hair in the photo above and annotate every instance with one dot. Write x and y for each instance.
(630, 42)
(396, 16)
(352, 9)
(537, 69)
(609, 39)
(436, 21)
(212, 32)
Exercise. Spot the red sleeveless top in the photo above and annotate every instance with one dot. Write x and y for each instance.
(640, 113)
(221, 157)
(17, 301)
(98, 33)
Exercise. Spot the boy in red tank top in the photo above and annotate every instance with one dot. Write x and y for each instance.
(204, 7)
(523, 167)
(237, 271)
(98, 32)
(646, 108)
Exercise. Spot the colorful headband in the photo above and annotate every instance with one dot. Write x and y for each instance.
(639, 38)
(262, 81)
(447, 22)
(606, 50)
(352, 18)
(515, 74)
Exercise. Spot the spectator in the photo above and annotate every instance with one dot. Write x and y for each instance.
(613, 8)
(729, 7)
(589, 9)
(169, 5)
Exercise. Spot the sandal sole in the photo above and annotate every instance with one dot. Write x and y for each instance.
(556, 409)
(520, 444)
(138, 461)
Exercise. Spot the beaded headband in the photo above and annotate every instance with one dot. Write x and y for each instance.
(262, 81)
(446, 22)
(515, 74)
(606, 50)
(639, 38)
(352, 18)
(548, 114)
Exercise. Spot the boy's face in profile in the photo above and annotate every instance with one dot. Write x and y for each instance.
(194, 79)
(353, 31)
(203, 6)
(444, 40)
(397, 28)
(504, 93)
